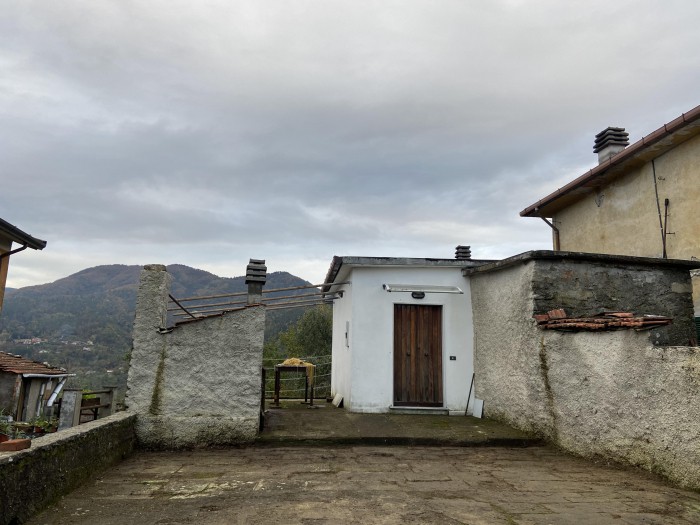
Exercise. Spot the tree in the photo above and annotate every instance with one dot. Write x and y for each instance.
(309, 339)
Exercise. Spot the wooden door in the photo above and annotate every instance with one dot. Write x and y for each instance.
(417, 355)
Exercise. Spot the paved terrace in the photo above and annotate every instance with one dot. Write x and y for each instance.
(336, 479)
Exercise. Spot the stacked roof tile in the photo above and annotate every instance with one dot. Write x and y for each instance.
(558, 320)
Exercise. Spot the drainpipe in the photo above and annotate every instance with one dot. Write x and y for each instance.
(555, 234)
(56, 391)
(12, 252)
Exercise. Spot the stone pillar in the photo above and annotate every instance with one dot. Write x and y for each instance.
(70, 408)
(149, 345)
(108, 398)
(255, 278)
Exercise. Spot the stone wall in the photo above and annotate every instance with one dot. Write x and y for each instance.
(607, 394)
(57, 463)
(197, 384)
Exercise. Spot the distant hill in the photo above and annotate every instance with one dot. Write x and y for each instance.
(85, 320)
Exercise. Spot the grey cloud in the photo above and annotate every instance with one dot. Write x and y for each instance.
(305, 129)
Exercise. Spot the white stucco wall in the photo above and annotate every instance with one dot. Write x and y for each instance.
(340, 366)
(363, 373)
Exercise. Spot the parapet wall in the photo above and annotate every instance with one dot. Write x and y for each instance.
(197, 384)
(57, 463)
(609, 394)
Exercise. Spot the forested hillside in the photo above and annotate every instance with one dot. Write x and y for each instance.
(83, 322)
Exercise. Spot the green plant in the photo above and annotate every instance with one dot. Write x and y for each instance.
(5, 425)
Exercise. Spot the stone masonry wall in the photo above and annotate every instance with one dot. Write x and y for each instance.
(55, 464)
(585, 288)
(606, 394)
(199, 384)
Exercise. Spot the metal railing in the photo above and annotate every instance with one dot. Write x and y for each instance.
(202, 306)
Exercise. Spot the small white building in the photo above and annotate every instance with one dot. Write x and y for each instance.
(402, 333)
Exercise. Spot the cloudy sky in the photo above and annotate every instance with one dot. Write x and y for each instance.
(209, 132)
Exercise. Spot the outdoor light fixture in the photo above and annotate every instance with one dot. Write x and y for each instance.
(421, 288)
(418, 295)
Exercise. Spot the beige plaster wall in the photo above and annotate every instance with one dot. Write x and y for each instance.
(623, 218)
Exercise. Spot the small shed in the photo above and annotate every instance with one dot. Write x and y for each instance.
(27, 387)
(402, 333)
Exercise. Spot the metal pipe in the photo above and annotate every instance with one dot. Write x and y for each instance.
(232, 303)
(555, 232)
(185, 309)
(273, 290)
(662, 226)
(56, 391)
(665, 232)
(12, 252)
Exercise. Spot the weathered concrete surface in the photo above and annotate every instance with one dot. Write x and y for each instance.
(608, 394)
(297, 424)
(615, 397)
(388, 485)
(199, 384)
(57, 463)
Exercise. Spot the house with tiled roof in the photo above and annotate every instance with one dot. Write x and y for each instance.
(27, 387)
(639, 200)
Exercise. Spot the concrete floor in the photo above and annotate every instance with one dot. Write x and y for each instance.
(325, 465)
(369, 484)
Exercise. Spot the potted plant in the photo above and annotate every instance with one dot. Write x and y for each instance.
(5, 427)
(52, 424)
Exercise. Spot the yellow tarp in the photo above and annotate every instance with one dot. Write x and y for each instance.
(295, 361)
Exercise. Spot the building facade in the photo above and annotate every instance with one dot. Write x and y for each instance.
(402, 333)
(640, 200)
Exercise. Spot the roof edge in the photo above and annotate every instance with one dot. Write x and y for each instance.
(626, 154)
(627, 260)
(20, 237)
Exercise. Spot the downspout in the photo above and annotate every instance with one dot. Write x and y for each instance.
(37, 411)
(12, 252)
(56, 391)
(555, 234)
(662, 225)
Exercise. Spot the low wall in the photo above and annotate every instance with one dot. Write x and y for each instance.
(608, 394)
(197, 384)
(57, 463)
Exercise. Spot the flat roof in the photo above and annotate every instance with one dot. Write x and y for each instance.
(638, 154)
(619, 260)
(348, 260)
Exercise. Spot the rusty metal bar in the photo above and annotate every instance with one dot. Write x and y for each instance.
(185, 309)
(265, 301)
(286, 289)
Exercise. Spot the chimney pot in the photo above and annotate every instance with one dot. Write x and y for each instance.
(610, 142)
(463, 253)
(255, 278)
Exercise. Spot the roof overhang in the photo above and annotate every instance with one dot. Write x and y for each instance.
(14, 234)
(633, 157)
(346, 262)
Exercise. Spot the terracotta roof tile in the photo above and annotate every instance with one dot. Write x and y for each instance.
(21, 365)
